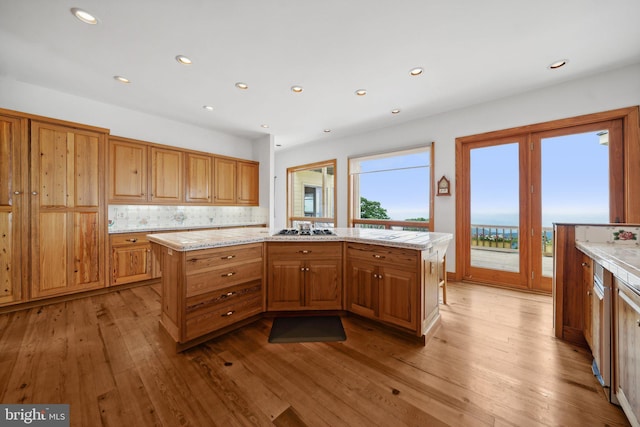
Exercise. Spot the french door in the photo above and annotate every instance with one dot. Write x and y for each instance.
(516, 187)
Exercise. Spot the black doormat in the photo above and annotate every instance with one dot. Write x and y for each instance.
(307, 329)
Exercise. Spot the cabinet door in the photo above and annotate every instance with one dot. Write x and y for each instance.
(628, 352)
(127, 171)
(131, 264)
(323, 284)
(198, 177)
(248, 183)
(224, 182)
(286, 285)
(587, 288)
(398, 297)
(363, 291)
(12, 206)
(166, 175)
(67, 210)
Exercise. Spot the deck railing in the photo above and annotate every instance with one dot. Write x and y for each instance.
(388, 224)
(505, 238)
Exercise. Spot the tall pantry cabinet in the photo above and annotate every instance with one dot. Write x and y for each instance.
(52, 208)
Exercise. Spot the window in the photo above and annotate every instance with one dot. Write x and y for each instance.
(392, 190)
(311, 194)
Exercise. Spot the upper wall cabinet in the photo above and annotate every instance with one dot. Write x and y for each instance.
(198, 187)
(236, 182)
(127, 171)
(166, 175)
(247, 183)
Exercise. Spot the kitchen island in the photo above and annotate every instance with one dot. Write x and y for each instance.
(214, 281)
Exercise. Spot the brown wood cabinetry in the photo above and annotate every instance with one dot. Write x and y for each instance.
(128, 172)
(13, 206)
(198, 178)
(236, 182)
(627, 350)
(131, 258)
(166, 175)
(383, 284)
(590, 300)
(247, 183)
(304, 276)
(204, 291)
(68, 226)
(224, 181)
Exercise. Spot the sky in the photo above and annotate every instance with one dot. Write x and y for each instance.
(403, 193)
(574, 183)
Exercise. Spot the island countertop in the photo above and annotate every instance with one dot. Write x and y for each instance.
(206, 239)
(622, 261)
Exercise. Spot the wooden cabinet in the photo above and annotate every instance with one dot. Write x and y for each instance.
(68, 209)
(131, 258)
(224, 181)
(627, 350)
(383, 284)
(198, 178)
(128, 172)
(590, 300)
(247, 183)
(236, 182)
(206, 291)
(166, 176)
(14, 197)
(304, 276)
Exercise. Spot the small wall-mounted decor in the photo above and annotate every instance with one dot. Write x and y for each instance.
(444, 187)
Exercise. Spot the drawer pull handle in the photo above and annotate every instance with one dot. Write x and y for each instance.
(589, 293)
(305, 251)
(228, 294)
(132, 240)
(378, 256)
(228, 313)
(584, 264)
(231, 273)
(228, 257)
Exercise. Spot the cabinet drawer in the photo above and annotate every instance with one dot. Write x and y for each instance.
(383, 255)
(220, 278)
(223, 315)
(204, 303)
(128, 239)
(210, 259)
(304, 250)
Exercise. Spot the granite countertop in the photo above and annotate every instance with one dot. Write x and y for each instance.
(194, 240)
(623, 261)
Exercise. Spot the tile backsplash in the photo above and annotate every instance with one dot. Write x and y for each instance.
(151, 217)
(619, 234)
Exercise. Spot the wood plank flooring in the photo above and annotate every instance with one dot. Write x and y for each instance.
(493, 362)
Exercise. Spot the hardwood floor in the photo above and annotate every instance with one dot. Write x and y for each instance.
(493, 362)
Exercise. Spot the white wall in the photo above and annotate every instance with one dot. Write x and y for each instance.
(602, 92)
(264, 153)
(27, 98)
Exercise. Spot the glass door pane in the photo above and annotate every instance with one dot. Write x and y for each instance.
(495, 207)
(574, 185)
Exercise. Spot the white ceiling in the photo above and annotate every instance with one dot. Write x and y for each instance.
(472, 51)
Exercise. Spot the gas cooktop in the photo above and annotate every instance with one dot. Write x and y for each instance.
(309, 232)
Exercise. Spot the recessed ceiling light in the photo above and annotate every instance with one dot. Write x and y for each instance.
(183, 60)
(395, 111)
(208, 107)
(361, 92)
(296, 89)
(558, 64)
(416, 71)
(84, 16)
(242, 86)
(327, 130)
(122, 79)
(264, 125)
